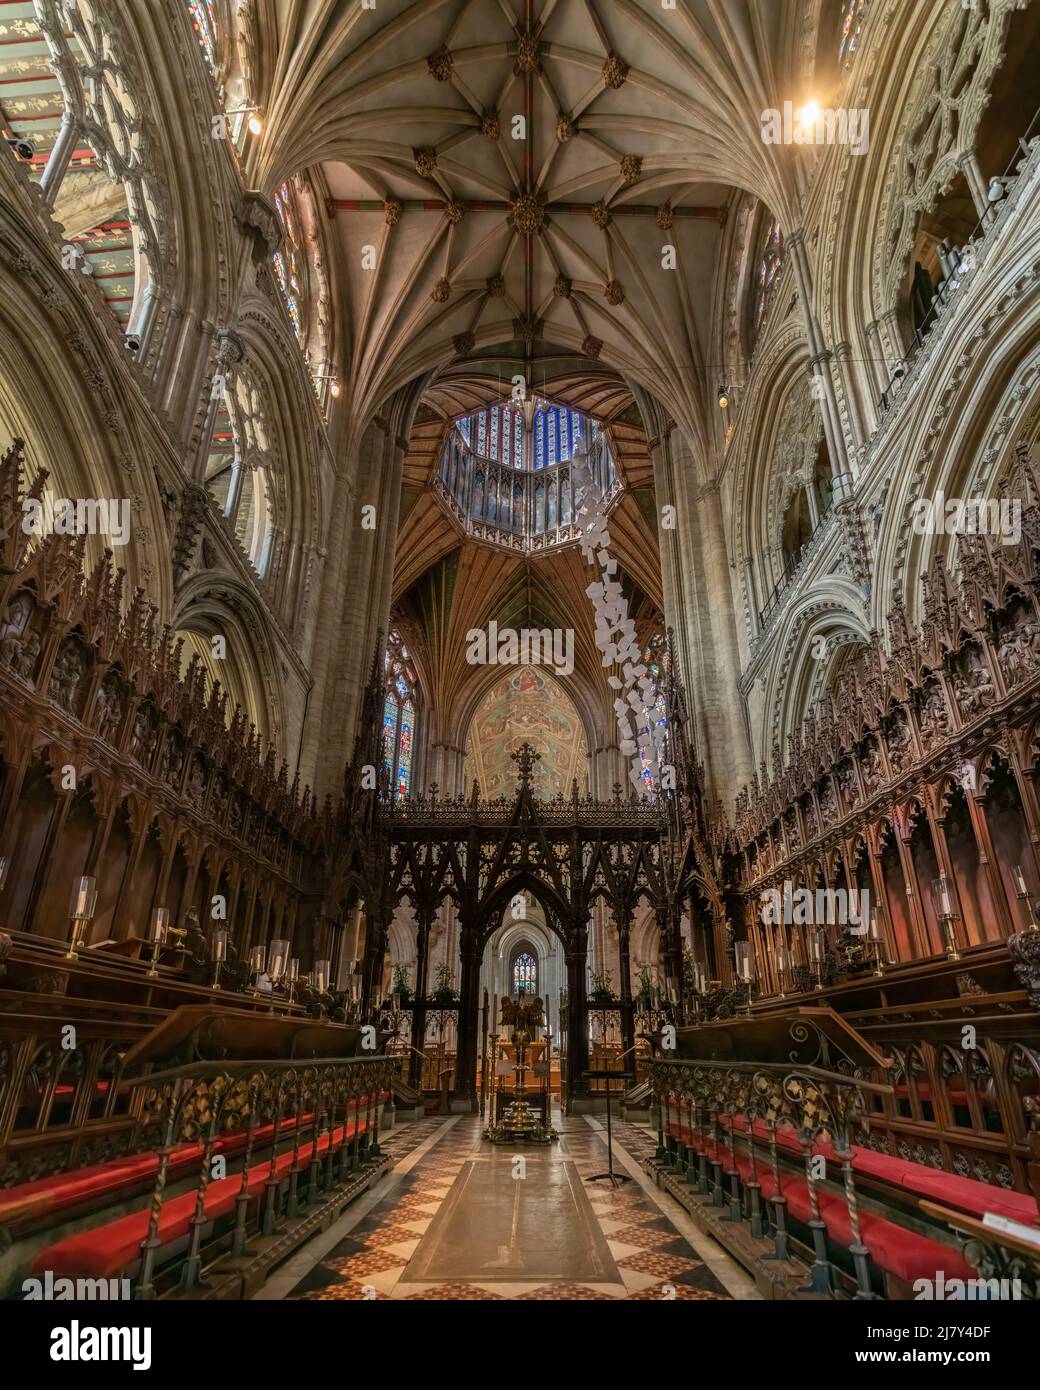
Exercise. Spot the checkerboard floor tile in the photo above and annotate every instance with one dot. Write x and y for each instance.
(651, 1259)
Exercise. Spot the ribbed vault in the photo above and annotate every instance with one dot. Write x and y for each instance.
(637, 124)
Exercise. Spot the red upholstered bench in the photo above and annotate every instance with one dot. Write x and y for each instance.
(964, 1194)
(892, 1247)
(110, 1250)
(905, 1254)
(53, 1195)
(53, 1198)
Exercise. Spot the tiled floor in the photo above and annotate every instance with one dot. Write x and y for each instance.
(448, 1203)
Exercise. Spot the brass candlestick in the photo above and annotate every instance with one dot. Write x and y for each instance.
(218, 953)
(160, 923)
(817, 948)
(84, 901)
(943, 903)
(875, 941)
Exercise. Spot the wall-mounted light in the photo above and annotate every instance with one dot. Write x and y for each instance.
(255, 124)
(332, 379)
(724, 395)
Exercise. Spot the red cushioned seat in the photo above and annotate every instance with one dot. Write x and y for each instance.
(61, 1191)
(906, 1254)
(106, 1251)
(83, 1184)
(966, 1194)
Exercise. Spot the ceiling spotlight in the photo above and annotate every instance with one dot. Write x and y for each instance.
(723, 397)
(333, 388)
(807, 115)
(256, 123)
(996, 190)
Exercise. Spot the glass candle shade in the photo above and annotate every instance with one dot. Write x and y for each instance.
(277, 955)
(84, 898)
(256, 960)
(218, 946)
(160, 924)
(942, 900)
(294, 969)
(321, 976)
(744, 958)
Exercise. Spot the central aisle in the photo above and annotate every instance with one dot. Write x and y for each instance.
(455, 1219)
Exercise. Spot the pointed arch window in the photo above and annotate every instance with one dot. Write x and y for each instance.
(399, 715)
(204, 22)
(525, 973)
(288, 262)
(851, 28)
(239, 468)
(771, 258)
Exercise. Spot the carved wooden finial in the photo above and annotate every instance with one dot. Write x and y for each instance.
(525, 758)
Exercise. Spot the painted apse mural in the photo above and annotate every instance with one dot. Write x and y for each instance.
(527, 706)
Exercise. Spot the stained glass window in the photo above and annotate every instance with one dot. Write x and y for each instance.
(287, 261)
(204, 23)
(525, 974)
(389, 734)
(501, 433)
(404, 748)
(399, 712)
(851, 27)
(770, 261)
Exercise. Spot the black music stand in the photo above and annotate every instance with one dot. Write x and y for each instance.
(615, 1179)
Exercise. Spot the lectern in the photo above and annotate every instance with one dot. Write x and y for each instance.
(615, 1179)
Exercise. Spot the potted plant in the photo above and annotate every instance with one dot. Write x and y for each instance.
(645, 993)
(602, 989)
(444, 992)
(400, 985)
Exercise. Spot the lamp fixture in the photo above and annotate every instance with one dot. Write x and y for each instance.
(333, 381)
(255, 124)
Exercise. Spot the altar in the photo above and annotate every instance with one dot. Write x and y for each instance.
(520, 1106)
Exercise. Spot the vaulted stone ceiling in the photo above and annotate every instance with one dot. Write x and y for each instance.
(468, 256)
(639, 122)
